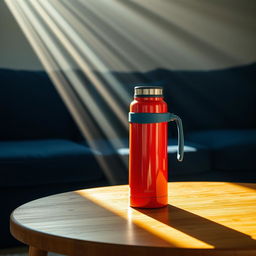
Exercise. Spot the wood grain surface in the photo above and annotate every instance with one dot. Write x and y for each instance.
(202, 218)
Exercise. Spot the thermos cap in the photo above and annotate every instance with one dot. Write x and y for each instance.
(148, 91)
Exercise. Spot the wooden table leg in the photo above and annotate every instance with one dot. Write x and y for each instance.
(33, 251)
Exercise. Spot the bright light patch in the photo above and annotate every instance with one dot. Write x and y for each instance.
(170, 149)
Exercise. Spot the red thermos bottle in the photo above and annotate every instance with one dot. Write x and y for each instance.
(148, 166)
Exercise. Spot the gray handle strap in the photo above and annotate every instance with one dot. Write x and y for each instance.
(147, 118)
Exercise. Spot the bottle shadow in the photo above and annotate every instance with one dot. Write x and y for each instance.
(201, 228)
(247, 185)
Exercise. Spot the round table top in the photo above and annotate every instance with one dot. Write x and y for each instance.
(215, 218)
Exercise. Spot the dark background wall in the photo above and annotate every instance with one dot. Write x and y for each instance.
(204, 34)
(15, 51)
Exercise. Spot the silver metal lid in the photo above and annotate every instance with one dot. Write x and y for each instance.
(148, 91)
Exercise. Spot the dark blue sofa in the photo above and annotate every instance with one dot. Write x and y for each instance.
(42, 151)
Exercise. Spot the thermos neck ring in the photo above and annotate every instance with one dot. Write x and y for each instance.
(148, 91)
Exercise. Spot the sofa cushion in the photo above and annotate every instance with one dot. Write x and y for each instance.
(37, 162)
(30, 108)
(197, 158)
(232, 149)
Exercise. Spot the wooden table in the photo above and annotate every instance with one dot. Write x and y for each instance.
(202, 218)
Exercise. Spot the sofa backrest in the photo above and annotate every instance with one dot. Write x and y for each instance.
(220, 99)
(217, 99)
(30, 108)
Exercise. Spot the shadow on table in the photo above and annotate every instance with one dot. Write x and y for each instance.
(247, 185)
(200, 228)
(101, 222)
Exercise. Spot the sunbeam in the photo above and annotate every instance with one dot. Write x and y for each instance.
(62, 73)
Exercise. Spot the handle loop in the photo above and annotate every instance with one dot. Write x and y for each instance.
(147, 118)
(178, 121)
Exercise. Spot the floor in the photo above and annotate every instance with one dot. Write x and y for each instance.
(19, 251)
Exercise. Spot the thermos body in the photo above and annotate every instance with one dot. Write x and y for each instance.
(148, 167)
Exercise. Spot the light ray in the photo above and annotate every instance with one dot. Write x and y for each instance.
(80, 61)
(103, 40)
(77, 109)
(86, 50)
